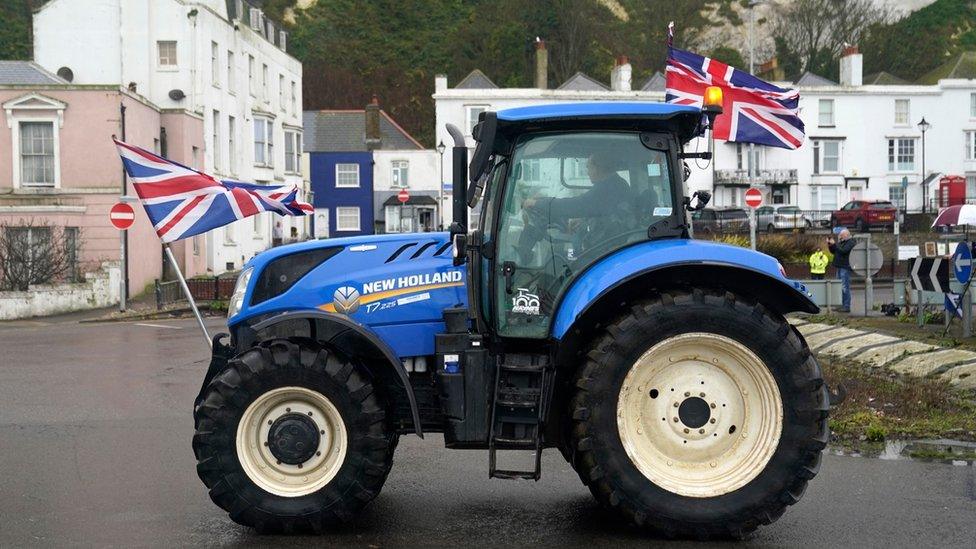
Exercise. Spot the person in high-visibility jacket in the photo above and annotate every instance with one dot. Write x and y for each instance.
(818, 264)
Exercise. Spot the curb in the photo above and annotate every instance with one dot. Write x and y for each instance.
(909, 357)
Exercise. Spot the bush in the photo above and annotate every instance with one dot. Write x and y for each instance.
(786, 248)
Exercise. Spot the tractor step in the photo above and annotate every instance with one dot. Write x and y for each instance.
(519, 410)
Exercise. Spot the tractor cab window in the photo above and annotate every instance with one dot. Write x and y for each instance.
(568, 200)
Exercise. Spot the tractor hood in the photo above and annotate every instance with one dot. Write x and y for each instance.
(376, 280)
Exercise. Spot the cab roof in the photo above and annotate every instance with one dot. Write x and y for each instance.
(608, 109)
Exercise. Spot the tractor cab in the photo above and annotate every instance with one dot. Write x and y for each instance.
(558, 187)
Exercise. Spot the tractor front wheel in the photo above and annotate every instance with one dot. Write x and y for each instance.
(699, 415)
(292, 438)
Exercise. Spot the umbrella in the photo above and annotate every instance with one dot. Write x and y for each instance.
(963, 214)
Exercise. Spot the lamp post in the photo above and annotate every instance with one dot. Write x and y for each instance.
(440, 189)
(924, 126)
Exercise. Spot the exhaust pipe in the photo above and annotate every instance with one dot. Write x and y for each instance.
(459, 227)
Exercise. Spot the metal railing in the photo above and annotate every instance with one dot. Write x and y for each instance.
(214, 288)
(762, 177)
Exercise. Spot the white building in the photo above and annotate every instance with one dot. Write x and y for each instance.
(417, 172)
(221, 59)
(863, 140)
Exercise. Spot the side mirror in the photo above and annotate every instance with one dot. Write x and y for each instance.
(701, 199)
(459, 245)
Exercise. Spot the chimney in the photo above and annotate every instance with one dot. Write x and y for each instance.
(541, 64)
(373, 137)
(620, 76)
(851, 66)
(440, 82)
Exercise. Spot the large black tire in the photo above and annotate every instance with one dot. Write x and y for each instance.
(275, 364)
(598, 454)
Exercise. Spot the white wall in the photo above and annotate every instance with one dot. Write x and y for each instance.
(117, 44)
(100, 289)
(863, 119)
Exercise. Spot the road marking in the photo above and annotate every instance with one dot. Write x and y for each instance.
(146, 324)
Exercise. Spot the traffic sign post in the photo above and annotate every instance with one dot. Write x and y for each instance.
(403, 196)
(962, 267)
(866, 260)
(928, 274)
(122, 216)
(754, 199)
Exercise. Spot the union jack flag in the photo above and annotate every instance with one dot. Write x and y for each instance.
(182, 202)
(755, 111)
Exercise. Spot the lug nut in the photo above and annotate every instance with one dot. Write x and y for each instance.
(270, 422)
(711, 420)
(687, 394)
(318, 453)
(686, 430)
(299, 465)
(266, 443)
(701, 431)
(287, 409)
(675, 404)
(676, 420)
(322, 432)
(701, 395)
(712, 405)
(310, 413)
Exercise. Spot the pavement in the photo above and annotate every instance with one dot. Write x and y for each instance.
(913, 358)
(95, 429)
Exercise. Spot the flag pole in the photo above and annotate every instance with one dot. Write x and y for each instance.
(189, 296)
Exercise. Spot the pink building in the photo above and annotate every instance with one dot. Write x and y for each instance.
(58, 165)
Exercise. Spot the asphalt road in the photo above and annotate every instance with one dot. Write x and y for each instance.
(95, 434)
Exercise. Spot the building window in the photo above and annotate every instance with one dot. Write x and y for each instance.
(250, 75)
(294, 98)
(215, 63)
(971, 145)
(232, 144)
(347, 176)
(902, 112)
(401, 169)
(826, 116)
(281, 92)
(156, 147)
(215, 144)
(231, 75)
(293, 152)
(347, 219)
(972, 105)
(167, 53)
(901, 154)
(970, 187)
(264, 83)
(37, 154)
(394, 222)
(473, 111)
(896, 194)
(742, 157)
(263, 142)
(823, 198)
(826, 156)
(531, 169)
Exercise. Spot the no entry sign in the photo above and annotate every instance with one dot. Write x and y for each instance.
(754, 198)
(403, 196)
(122, 216)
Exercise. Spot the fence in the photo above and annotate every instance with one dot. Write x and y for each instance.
(215, 288)
(735, 220)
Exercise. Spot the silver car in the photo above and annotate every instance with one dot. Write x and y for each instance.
(782, 218)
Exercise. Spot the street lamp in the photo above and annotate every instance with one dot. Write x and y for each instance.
(924, 126)
(440, 188)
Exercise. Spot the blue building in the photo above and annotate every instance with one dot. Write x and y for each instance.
(340, 145)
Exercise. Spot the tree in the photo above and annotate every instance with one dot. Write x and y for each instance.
(815, 31)
(729, 56)
(36, 253)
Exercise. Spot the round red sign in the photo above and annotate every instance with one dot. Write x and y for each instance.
(754, 198)
(122, 216)
(403, 196)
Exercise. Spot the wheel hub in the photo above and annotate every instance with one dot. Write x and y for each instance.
(293, 438)
(694, 412)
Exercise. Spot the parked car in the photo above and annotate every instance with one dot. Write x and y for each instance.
(720, 221)
(862, 215)
(781, 218)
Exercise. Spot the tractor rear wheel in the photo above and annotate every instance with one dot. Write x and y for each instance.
(700, 415)
(292, 438)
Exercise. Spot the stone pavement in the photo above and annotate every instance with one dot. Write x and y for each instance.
(913, 358)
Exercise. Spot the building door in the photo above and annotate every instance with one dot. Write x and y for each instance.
(857, 191)
(321, 223)
(425, 218)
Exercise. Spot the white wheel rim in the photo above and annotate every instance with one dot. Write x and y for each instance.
(740, 432)
(260, 464)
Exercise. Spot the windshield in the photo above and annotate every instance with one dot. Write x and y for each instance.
(570, 199)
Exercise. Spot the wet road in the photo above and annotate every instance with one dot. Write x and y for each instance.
(95, 434)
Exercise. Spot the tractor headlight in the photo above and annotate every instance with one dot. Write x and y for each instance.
(237, 299)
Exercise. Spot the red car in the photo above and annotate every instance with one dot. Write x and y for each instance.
(861, 215)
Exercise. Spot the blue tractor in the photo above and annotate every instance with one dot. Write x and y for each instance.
(575, 312)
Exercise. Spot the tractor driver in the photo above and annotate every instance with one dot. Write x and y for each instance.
(604, 205)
